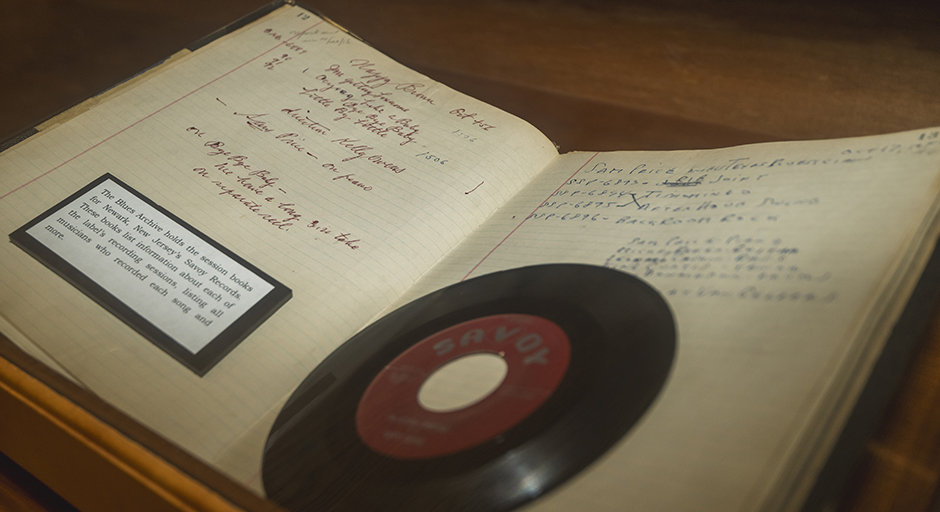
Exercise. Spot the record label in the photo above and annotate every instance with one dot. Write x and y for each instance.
(392, 421)
(585, 351)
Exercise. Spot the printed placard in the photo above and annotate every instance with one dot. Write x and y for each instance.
(180, 289)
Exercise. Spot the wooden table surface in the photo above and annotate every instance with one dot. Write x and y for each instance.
(592, 75)
(22, 492)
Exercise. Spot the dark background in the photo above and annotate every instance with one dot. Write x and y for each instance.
(684, 73)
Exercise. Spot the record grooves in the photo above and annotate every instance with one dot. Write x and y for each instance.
(587, 348)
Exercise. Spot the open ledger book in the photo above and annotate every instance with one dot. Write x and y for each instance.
(309, 160)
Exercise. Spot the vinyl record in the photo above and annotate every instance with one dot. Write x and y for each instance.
(586, 351)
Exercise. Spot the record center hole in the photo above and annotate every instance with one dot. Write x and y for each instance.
(462, 382)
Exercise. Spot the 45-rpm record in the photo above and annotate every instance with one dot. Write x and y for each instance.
(586, 350)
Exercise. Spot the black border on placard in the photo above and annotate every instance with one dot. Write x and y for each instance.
(200, 362)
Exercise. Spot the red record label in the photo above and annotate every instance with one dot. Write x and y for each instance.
(391, 420)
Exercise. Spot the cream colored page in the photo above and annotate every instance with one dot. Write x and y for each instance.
(772, 258)
(328, 166)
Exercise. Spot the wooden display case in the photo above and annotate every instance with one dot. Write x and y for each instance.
(598, 75)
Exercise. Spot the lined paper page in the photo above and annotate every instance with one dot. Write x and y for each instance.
(323, 163)
(779, 261)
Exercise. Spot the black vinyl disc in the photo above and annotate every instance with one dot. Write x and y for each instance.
(587, 349)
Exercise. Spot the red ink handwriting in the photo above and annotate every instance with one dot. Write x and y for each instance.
(277, 61)
(349, 178)
(472, 116)
(255, 122)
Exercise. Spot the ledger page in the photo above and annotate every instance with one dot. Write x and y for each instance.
(785, 266)
(293, 146)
